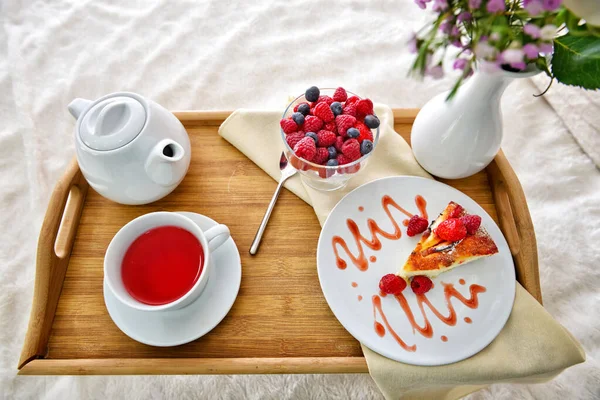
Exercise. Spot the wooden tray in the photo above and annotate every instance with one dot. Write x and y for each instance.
(280, 322)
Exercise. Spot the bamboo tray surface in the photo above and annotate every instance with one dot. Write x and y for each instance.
(280, 322)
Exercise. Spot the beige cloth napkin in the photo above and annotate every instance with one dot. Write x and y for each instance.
(531, 348)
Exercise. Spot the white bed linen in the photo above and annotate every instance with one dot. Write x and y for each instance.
(219, 54)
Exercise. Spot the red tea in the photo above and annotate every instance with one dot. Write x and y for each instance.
(162, 265)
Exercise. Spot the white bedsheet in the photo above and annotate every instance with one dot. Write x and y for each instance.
(216, 54)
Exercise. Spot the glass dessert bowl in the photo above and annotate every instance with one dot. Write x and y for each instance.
(326, 162)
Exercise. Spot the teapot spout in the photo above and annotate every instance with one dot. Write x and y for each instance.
(161, 163)
(77, 106)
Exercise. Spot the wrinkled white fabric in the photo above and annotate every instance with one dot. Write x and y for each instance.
(224, 55)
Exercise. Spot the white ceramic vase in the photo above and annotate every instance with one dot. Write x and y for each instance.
(460, 137)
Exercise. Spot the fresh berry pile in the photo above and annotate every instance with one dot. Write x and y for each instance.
(331, 131)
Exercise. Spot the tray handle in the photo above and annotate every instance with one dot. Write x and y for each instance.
(53, 252)
(515, 223)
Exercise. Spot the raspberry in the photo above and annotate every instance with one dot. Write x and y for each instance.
(325, 99)
(312, 124)
(326, 172)
(326, 138)
(342, 159)
(352, 99)
(421, 284)
(339, 142)
(288, 125)
(416, 225)
(351, 149)
(323, 111)
(350, 109)
(392, 284)
(321, 156)
(451, 230)
(306, 149)
(471, 222)
(344, 122)
(364, 107)
(365, 132)
(340, 94)
(331, 127)
(352, 168)
(457, 211)
(294, 138)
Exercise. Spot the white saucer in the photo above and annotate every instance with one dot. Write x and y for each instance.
(173, 328)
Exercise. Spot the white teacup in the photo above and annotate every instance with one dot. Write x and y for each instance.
(113, 259)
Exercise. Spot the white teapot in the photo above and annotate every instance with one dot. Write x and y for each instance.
(130, 149)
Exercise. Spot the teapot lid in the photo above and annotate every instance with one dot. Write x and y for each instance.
(112, 123)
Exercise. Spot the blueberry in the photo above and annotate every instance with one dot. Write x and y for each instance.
(312, 93)
(304, 108)
(372, 121)
(336, 108)
(332, 152)
(298, 118)
(366, 146)
(313, 136)
(332, 163)
(353, 133)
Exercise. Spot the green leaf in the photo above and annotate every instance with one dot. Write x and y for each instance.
(576, 61)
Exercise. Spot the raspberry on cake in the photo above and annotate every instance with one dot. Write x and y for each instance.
(447, 245)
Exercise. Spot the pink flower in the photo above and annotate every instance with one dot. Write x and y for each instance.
(533, 7)
(551, 5)
(495, 6)
(412, 44)
(519, 65)
(446, 26)
(436, 72)
(459, 63)
(439, 5)
(546, 48)
(483, 50)
(512, 56)
(464, 16)
(532, 30)
(488, 67)
(455, 31)
(531, 51)
(474, 4)
(421, 3)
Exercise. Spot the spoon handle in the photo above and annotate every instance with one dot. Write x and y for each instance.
(265, 220)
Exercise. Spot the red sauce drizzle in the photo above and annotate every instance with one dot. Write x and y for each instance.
(405, 222)
(461, 281)
(468, 320)
(444, 339)
(374, 243)
(427, 330)
(421, 205)
(361, 208)
(381, 330)
(382, 294)
(359, 297)
(372, 259)
(354, 284)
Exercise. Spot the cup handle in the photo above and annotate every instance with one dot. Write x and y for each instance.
(216, 236)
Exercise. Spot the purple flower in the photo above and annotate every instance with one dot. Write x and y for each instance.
(421, 3)
(455, 31)
(495, 6)
(483, 50)
(464, 16)
(457, 43)
(531, 51)
(439, 5)
(446, 26)
(412, 44)
(551, 5)
(459, 63)
(532, 30)
(533, 7)
(518, 65)
(436, 72)
(512, 56)
(474, 4)
(546, 48)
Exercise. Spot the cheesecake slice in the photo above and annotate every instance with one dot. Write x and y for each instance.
(434, 255)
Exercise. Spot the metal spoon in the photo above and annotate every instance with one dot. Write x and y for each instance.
(287, 171)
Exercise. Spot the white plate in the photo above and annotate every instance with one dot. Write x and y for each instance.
(176, 327)
(495, 273)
